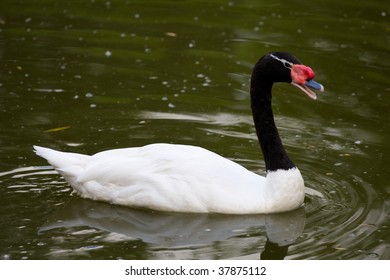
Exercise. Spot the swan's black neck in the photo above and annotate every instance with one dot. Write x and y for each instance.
(274, 153)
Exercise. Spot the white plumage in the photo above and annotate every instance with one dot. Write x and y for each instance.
(177, 178)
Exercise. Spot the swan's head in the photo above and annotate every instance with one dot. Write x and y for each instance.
(284, 67)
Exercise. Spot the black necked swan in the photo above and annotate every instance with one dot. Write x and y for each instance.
(184, 178)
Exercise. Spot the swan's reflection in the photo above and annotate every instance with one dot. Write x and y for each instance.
(175, 230)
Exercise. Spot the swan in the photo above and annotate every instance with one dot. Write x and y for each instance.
(185, 178)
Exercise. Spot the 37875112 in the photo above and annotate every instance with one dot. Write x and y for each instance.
(242, 270)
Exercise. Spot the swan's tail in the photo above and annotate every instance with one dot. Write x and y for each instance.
(68, 164)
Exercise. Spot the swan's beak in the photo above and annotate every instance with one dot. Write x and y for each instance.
(307, 86)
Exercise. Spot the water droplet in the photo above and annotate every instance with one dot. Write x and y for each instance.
(359, 251)
(89, 95)
(171, 34)
(373, 255)
(108, 53)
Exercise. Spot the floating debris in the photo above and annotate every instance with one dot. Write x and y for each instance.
(58, 129)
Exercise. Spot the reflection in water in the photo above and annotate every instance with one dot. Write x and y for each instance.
(273, 251)
(176, 231)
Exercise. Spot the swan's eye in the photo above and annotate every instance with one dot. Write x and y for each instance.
(287, 64)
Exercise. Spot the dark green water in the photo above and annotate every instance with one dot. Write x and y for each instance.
(87, 76)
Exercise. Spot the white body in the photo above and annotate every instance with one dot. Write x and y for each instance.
(177, 178)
